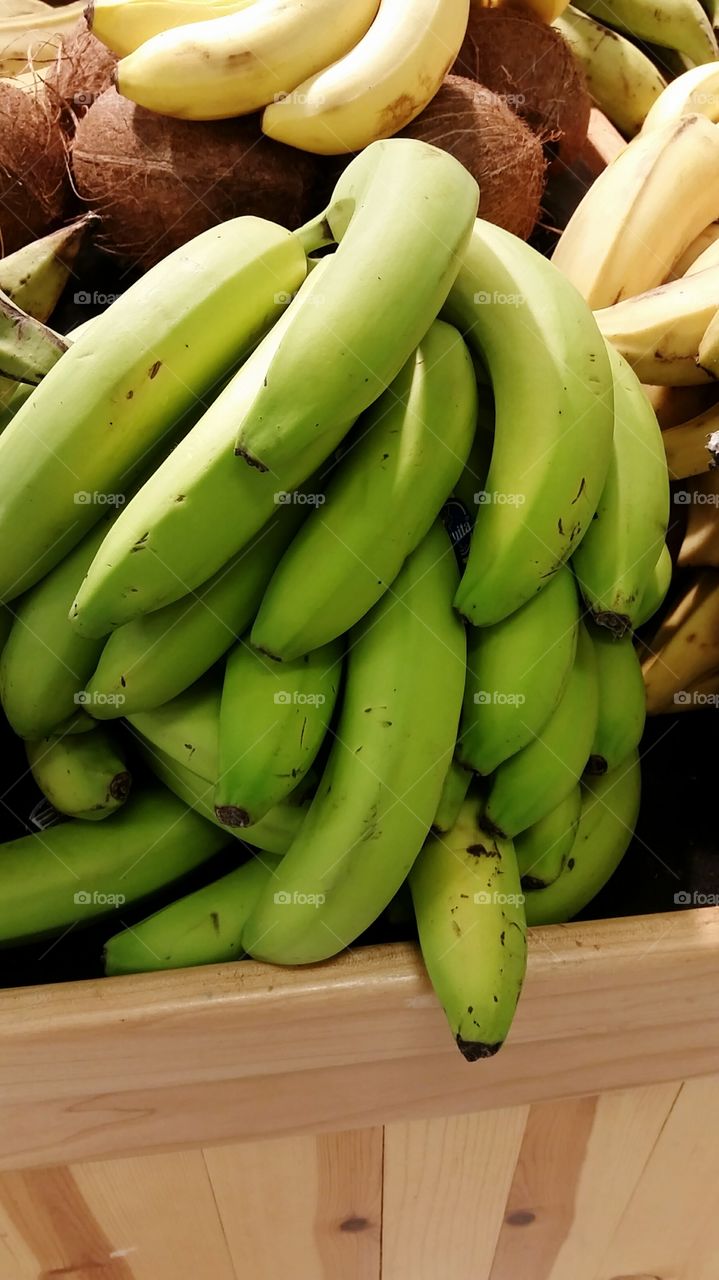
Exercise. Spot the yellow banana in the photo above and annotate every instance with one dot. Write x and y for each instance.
(693, 447)
(123, 25)
(660, 332)
(685, 647)
(696, 92)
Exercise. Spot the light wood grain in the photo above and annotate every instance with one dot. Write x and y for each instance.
(309, 1208)
(152, 1218)
(669, 1228)
(446, 1183)
(155, 1062)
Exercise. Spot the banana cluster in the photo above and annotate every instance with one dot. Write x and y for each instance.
(630, 49)
(226, 510)
(329, 78)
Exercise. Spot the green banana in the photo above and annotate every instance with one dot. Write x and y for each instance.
(187, 728)
(622, 701)
(273, 834)
(35, 276)
(12, 396)
(675, 24)
(382, 783)
(137, 369)
(152, 659)
(399, 203)
(470, 916)
(471, 483)
(273, 721)
(531, 783)
(77, 872)
(610, 807)
(553, 433)
(516, 674)
(543, 849)
(454, 790)
(45, 664)
(83, 775)
(621, 79)
(28, 349)
(655, 592)
(614, 562)
(402, 463)
(204, 927)
(200, 507)
(6, 621)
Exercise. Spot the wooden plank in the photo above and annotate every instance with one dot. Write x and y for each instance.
(669, 1227)
(446, 1183)
(309, 1208)
(97, 1069)
(152, 1218)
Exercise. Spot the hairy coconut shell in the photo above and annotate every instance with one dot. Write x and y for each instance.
(35, 184)
(156, 182)
(531, 68)
(83, 70)
(498, 148)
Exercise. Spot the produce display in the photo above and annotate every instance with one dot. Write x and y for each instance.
(333, 500)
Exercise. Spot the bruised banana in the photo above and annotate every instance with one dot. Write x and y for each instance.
(379, 86)
(610, 808)
(470, 916)
(153, 658)
(615, 560)
(642, 212)
(200, 507)
(621, 79)
(693, 447)
(404, 458)
(676, 24)
(543, 849)
(82, 775)
(531, 783)
(622, 701)
(204, 927)
(78, 872)
(273, 721)
(660, 332)
(398, 203)
(381, 786)
(553, 434)
(127, 379)
(516, 675)
(233, 64)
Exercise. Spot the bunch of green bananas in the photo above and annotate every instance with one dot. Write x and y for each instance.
(329, 78)
(277, 615)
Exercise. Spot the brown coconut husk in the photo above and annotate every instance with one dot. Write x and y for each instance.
(157, 182)
(498, 148)
(530, 66)
(84, 69)
(35, 186)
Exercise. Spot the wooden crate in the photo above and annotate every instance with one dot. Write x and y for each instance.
(248, 1123)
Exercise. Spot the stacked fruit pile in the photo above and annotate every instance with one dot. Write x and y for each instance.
(643, 248)
(276, 614)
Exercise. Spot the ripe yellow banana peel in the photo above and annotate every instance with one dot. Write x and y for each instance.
(547, 10)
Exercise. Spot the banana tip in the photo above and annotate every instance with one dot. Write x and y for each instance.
(120, 786)
(618, 623)
(231, 815)
(473, 1050)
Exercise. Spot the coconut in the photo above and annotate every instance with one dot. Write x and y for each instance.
(34, 179)
(529, 66)
(498, 148)
(156, 182)
(84, 68)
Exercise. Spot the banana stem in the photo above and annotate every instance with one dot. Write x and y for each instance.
(315, 235)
